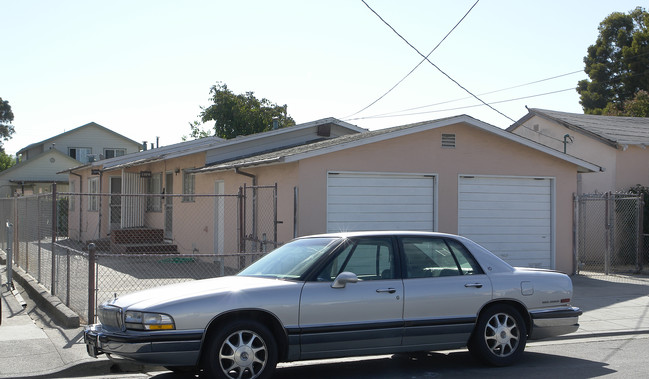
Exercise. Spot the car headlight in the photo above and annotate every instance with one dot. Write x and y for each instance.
(148, 321)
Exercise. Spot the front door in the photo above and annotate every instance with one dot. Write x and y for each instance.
(115, 202)
(362, 317)
(169, 205)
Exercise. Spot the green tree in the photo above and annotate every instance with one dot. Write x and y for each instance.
(238, 115)
(636, 107)
(618, 63)
(6, 160)
(6, 117)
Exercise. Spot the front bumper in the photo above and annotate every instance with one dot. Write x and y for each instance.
(554, 322)
(173, 348)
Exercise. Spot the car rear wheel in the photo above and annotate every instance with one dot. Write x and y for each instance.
(500, 336)
(241, 350)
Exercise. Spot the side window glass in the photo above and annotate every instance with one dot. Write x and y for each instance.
(369, 259)
(429, 257)
(468, 264)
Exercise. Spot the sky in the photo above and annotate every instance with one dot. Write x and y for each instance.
(144, 68)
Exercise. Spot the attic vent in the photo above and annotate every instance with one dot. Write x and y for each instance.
(324, 130)
(448, 141)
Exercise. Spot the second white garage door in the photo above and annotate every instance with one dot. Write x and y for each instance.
(511, 216)
(378, 201)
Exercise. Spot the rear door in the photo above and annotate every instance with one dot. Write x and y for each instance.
(445, 290)
(361, 317)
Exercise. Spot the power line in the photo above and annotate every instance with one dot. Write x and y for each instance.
(434, 65)
(458, 108)
(482, 94)
(420, 62)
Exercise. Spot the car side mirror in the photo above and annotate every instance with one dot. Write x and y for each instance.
(343, 278)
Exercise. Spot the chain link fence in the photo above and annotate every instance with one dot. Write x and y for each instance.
(609, 234)
(140, 241)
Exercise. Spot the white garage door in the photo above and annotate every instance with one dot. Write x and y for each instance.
(357, 201)
(512, 217)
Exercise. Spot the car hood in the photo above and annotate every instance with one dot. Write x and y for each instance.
(187, 291)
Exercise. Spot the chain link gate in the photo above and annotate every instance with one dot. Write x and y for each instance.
(609, 233)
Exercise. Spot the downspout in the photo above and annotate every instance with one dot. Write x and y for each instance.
(80, 202)
(254, 200)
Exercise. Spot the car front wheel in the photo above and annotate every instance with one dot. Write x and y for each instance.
(241, 350)
(500, 336)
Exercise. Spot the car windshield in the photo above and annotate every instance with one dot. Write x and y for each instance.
(292, 260)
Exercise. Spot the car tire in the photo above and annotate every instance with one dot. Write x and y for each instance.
(499, 337)
(241, 349)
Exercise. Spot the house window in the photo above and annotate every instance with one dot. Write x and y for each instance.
(188, 186)
(112, 153)
(93, 188)
(82, 154)
(154, 187)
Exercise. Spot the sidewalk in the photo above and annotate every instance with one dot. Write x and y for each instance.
(33, 346)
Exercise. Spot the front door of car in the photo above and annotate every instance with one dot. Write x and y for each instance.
(446, 289)
(357, 316)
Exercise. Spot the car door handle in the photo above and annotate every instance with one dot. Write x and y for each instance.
(386, 290)
(475, 285)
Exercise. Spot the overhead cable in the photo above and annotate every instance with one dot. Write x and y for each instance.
(436, 67)
(420, 62)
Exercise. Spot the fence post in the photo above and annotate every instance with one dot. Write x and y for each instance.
(640, 245)
(575, 233)
(275, 221)
(91, 282)
(53, 289)
(609, 232)
(67, 278)
(10, 242)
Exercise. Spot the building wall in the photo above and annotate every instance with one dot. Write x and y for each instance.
(624, 167)
(477, 153)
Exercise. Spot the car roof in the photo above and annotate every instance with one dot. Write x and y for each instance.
(382, 233)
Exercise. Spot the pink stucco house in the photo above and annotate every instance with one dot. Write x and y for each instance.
(456, 175)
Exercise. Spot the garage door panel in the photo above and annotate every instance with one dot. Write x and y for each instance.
(379, 200)
(512, 217)
(496, 214)
(509, 229)
(503, 205)
(372, 216)
(357, 201)
(376, 191)
(377, 225)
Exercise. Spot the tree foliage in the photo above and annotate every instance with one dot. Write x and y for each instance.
(6, 117)
(237, 115)
(618, 63)
(636, 107)
(6, 161)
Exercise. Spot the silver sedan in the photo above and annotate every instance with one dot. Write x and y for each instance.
(338, 295)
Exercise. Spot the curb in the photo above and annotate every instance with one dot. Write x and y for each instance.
(52, 305)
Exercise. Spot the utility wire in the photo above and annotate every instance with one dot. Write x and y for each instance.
(458, 108)
(482, 94)
(434, 65)
(420, 62)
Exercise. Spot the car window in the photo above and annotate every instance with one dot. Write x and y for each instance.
(435, 257)
(369, 259)
(468, 264)
(292, 260)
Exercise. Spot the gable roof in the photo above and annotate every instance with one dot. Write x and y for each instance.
(612, 130)
(203, 144)
(45, 141)
(353, 140)
(14, 172)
